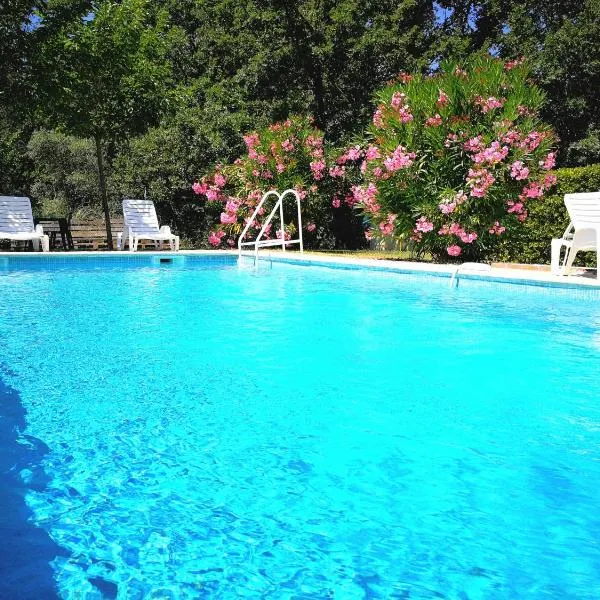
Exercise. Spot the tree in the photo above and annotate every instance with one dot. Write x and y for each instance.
(104, 75)
(64, 175)
(560, 41)
(323, 57)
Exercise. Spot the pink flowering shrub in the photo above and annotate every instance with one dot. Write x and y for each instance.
(290, 154)
(454, 160)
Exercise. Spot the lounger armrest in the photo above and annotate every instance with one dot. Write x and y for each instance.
(39, 229)
(165, 229)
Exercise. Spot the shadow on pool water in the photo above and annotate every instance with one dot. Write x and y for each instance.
(26, 550)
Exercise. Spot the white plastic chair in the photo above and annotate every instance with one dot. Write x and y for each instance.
(141, 223)
(583, 232)
(16, 222)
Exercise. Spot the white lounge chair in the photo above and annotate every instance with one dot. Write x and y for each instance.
(583, 232)
(16, 222)
(141, 223)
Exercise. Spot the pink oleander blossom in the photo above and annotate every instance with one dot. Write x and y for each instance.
(423, 225)
(519, 171)
(232, 206)
(399, 159)
(474, 144)
(311, 227)
(200, 188)
(252, 140)
(287, 145)
(336, 202)
(434, 121)
(549, 181)
(214, 238)
(453, 250)
(212, 193)
(533, 190)
(317, 167)
(353, 153)
(549, 162)
(372, 153)
(467, 238)
(491, 155)
(447, 207)
(378, 118)
(497, 229)
(220, 181)
(228, 218)
(337, 171)
(489, 104)
(442, 99)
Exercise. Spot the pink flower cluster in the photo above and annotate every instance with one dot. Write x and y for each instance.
(491, 155)
(434, 121)
(366, 196)
(399, 159)
(488, 104)
(519, 171)
(518, 209)
(317, 167)
(549, 162)
(442, 99)
(387, 226)
(457, 230)
(497, 229)
(214, 238)
(399, 103)
(479, 180)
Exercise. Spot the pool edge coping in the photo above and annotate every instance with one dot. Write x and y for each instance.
(495, 274)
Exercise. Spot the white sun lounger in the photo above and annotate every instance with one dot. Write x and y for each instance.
(16, 222)
(583, 232)
(141, 223)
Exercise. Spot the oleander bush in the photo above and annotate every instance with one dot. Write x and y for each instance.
(286, 155)
(454, 162)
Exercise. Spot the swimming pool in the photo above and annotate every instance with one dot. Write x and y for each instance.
(199, 429)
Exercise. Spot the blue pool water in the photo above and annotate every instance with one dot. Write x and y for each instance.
(200, 430)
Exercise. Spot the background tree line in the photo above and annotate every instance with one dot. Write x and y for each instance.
(110, 98)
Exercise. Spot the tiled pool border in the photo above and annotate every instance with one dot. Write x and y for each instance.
(509, 276)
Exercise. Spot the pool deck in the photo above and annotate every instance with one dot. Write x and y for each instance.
(520, 274)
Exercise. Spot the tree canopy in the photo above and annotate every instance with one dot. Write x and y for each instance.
(181, 80)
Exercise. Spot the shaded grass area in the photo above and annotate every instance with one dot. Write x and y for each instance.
(25, 550)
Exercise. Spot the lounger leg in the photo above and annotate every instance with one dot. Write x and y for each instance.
(120, 241)
(135, 243)
(45, 243)
(36, 245)
(130, 243)
(555, 256)
(176, 243)
(570, 259)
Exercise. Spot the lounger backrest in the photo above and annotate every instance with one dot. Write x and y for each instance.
(584, 209)
(15, 215)
(139, 216)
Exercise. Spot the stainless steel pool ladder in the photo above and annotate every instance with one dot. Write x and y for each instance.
(259, 242)
(468, 266)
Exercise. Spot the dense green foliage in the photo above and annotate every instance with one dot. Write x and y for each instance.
(549, 219)
(165, 88)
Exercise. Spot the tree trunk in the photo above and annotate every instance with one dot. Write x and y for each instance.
(100, 160)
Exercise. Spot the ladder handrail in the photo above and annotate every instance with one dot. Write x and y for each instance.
(258, 243)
